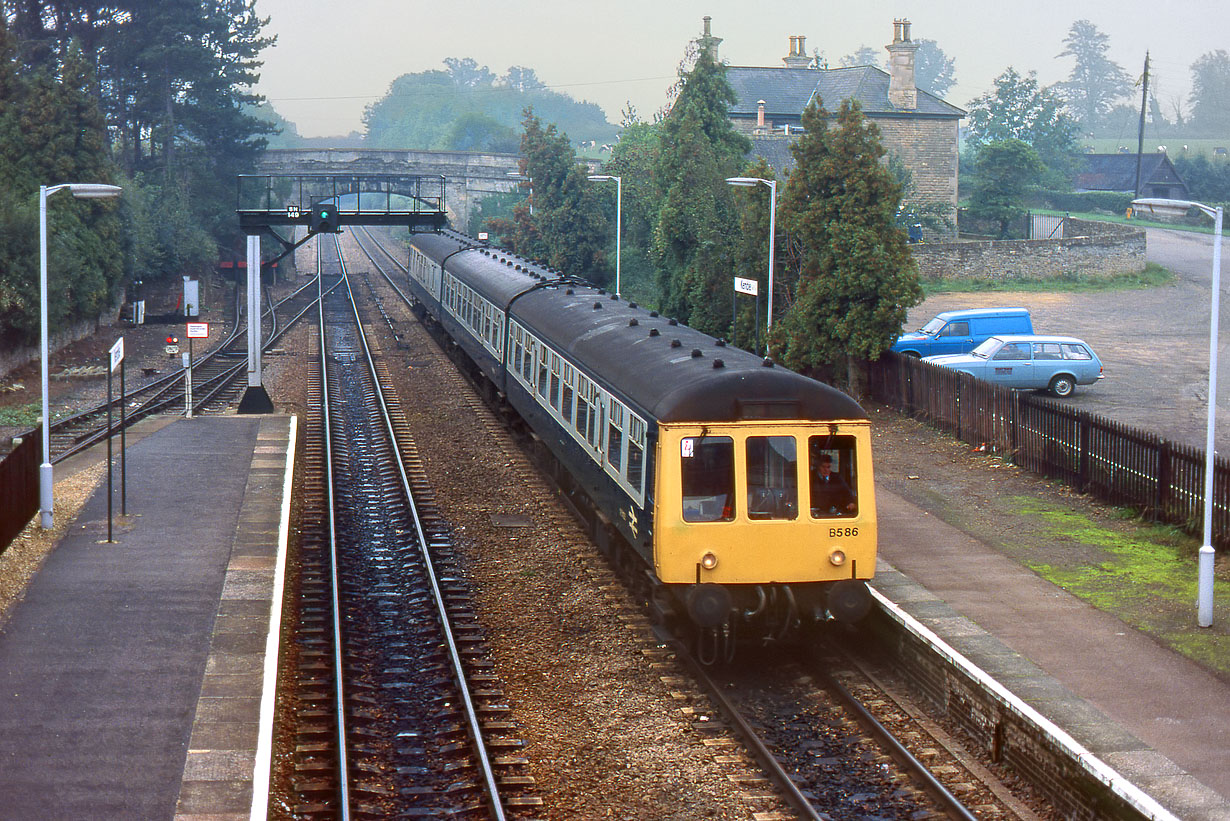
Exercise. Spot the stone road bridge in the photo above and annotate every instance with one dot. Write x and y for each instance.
(469, 175)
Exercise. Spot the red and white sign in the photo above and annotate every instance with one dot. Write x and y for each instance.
(198, 330)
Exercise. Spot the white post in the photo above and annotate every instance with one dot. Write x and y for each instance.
(254, 311)
(45, 481)
(619, 207)
(772, 232)
(1204, 586)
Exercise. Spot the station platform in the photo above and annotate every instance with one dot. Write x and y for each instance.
(133, 674)
(1154, 716)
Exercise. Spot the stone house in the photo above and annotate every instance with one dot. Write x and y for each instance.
(915, 125)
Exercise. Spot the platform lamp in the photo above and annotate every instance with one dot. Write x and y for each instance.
(619, 206)
(81, 190)
(1177, 208)
(751, 182)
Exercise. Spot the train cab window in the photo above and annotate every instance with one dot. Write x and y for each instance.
(833, 476)
(708, 478)
(772, 477)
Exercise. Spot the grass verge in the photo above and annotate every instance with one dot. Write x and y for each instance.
(1146, 578)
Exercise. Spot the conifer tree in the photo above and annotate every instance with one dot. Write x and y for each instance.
(566, 229)
(699, 149)
(855, 275)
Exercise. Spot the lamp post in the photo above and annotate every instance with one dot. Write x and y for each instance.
(619, 206)
(749, 182)
(1204, 585)
(82, 190)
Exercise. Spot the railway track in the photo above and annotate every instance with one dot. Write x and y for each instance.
(218, 378)
(805, 763)
(399, 711)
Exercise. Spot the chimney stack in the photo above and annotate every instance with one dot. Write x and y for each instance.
(708, 42)
(902, 93)
(797, 58)
(760, 113)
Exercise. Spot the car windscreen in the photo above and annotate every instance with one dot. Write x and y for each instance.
(988, 347)
(932, 327)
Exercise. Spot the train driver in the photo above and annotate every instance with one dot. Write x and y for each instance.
(830, 495)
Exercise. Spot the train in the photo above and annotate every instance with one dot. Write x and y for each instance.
(739, 493)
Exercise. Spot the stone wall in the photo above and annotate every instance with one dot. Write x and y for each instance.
(1088, 249)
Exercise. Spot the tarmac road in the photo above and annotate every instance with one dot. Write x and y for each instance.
(1154, 342)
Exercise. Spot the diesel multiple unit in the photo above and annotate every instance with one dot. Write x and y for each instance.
(744, 488)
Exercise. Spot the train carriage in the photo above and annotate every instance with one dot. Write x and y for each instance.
(745, 488)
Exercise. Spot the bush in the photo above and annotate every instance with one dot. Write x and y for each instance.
(1111, 202)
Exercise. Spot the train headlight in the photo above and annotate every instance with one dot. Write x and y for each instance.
(837, 557)
(708, 561)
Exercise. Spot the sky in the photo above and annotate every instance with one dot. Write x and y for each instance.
(332, 59)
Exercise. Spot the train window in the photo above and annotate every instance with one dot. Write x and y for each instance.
(555, 381)
(708, 478)
(615, 437)
(636, 452)
(542, 373)
(527, 361)
(833, 476)
(566, 406)
(582, 406)
(772, 477)
(516, 348)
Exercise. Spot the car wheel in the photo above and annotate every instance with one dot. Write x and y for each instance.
(1062, 385)
(912, 354)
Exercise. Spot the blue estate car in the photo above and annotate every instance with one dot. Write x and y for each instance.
(1054, 363)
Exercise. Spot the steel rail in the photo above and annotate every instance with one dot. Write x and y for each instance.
(335, 570)
(484, 758)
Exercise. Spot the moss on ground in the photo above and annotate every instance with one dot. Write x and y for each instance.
(1147, 579)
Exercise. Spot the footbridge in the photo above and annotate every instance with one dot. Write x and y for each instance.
(469, 175)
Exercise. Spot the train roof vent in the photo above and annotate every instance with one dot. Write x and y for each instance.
(654, 332)
(767, 362)
(569, 291)
(696, 354)
(675, 343)
(672, 321)
(653, 313)
(632, 323)
(516, 267)
(717, 363)
(614, 297)
(597, 306)
(721, 343)
(632, 305)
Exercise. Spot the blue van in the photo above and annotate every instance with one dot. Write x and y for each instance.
(962, 331)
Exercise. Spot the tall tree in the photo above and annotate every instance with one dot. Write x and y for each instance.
(1096, 82)
(1020, 109)
(699, 149)
(566, 229)
(864, 56)
(634, 159)
(855, 277)
(1210, 113)
(933, 69)
(1005, 169)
